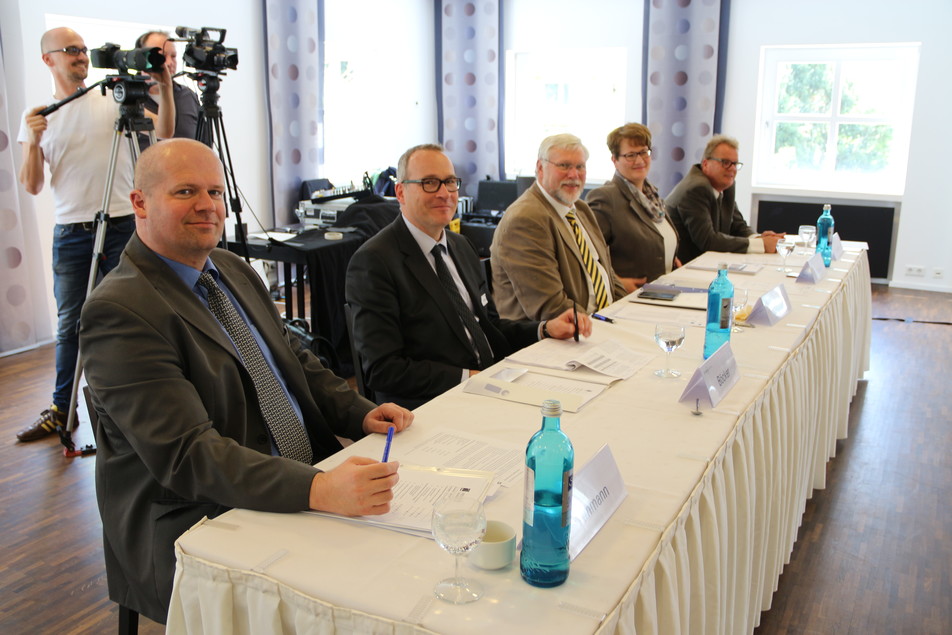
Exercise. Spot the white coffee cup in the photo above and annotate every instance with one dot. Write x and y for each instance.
(498, 547)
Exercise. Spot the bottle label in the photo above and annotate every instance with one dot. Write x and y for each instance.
(528, 499)
(725, 317)
(567, 497)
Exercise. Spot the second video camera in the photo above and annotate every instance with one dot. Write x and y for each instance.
(205, 53)
(110, 56)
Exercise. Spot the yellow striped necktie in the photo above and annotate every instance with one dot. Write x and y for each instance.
(598, 284)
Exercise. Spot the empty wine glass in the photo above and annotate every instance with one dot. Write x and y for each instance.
(669, 337)
(458, 525)
(807, 235)
(740, 303)
(784, 248)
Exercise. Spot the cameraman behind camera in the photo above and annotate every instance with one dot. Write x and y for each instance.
(76, 141)
(186, 102)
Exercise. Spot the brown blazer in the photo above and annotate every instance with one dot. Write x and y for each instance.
(537, 268)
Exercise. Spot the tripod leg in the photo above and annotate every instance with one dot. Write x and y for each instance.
(66, 435)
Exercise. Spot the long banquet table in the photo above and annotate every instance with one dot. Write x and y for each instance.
(713, 506)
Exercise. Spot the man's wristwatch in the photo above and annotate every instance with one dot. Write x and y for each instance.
(545, 331)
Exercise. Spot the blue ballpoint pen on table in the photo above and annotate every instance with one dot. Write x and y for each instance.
(386, 448)
(575, 318)
(603, 318)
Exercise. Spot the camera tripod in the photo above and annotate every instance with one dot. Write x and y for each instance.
(211, 132)
(129, 91)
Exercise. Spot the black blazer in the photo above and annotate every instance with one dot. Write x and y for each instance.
(405, 327)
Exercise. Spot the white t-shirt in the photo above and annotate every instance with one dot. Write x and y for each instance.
(77, 144)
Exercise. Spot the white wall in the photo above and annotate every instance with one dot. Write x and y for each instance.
(926, 214)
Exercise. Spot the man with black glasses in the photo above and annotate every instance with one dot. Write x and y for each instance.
(76, 142)
(424, 320)
(703, 209)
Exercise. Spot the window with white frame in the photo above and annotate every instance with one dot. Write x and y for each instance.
(835, 118)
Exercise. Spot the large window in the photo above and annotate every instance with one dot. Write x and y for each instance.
(836, 118)
(585, 94)
(569, 70)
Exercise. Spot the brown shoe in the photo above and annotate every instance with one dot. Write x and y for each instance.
(43, 426)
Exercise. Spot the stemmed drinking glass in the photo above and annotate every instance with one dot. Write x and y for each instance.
(669, 337)
(807, 235)
(740, 303)
(784, 248)
(458, 525)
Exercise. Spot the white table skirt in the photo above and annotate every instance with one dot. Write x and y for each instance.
(713, 508)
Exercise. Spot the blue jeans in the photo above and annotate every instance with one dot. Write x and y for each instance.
(72, 259)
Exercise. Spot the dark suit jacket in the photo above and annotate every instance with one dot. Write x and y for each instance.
(632, 235)
(180, 433)
(538, 270)
(405, 326)
(703, 223)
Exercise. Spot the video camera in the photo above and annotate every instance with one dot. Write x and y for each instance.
(143, 59)
(204, 53)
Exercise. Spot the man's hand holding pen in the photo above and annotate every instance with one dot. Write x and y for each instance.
(563, 327)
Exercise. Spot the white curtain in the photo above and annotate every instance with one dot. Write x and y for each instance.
(685, 44)
(469, 73)
(295, 79)
(17, 317)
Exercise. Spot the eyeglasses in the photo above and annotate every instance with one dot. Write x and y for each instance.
(631, 156)
(72, 51)
(432, 185)
(567, 167)
(727, 163)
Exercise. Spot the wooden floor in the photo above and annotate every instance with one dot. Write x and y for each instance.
(874, 553)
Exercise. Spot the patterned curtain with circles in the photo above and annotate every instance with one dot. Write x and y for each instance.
(294, 56)
(685, 53)
(17, 328)
(468, 76)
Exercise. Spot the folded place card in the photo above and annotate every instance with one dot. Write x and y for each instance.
(770, 307)
(813, 269)
(713, 379)
(597, 491)
(836, 246)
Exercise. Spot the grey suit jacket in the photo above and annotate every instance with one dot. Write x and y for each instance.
(537, 269)
(180, 434)
(634, 240)
(405, 327)
(703, 222)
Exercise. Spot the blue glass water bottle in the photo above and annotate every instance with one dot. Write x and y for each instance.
(547, 505)
(720, 300)
(824, 235)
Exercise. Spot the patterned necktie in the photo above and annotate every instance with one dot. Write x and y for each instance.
(480, 343)
(601, 296)
(286, 429)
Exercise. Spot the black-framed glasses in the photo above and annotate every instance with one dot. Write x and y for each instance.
(727, 163)
(72, 51)
(566, 166)
(631, 156)
(432, 185)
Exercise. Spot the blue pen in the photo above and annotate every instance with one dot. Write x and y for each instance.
(386, 448)
(603, 318)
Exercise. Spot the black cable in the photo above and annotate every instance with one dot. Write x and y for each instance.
(911, 321)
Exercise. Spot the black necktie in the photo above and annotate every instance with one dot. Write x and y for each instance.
(480, 343)
(286, 429)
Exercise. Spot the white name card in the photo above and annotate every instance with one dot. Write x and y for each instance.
(836, 247)
(597, 491)
(770, 307)
(813, 269)
(713, 379)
